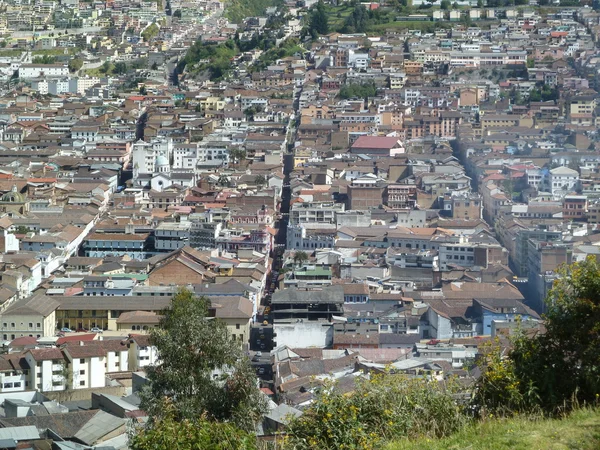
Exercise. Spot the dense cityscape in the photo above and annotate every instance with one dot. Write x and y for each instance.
(354, 188)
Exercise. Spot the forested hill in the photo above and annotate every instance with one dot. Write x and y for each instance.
(238, 10)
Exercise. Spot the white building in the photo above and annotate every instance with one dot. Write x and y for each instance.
(28, 71)
(561, 181)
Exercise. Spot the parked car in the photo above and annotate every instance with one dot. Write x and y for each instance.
(66, 330)
(81, 330)
(96, 330)
(258, 354)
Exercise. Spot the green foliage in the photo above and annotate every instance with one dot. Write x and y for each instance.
(445, 4)
(544, 94)
(150, 33)
(75, 64)
(358, 21)
(289, 47)
(170, 433)
(238, 10)
(559, 369)
(260, 181)
(217, 57)
(44, 59)
(381, 409)
(356, 90)
(21, 229)
(177, 14)
(318, 22)
(203, 373)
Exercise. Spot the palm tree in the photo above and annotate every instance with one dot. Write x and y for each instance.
(300, 258)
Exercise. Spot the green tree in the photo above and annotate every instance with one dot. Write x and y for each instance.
(44, 59)
(154, 66)
(300, 258)
(260, 181)
(202, 372)
(105, 68)
(530, 63)
(177, 14)
(237, 154)
(120, 68)
(170, 433)
(150, 32)
(318, 21)
(445, 4)
(558, 369)
(480, 3)
(75, 64)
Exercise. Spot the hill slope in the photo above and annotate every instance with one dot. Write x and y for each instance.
(238, 10)
(581, 430)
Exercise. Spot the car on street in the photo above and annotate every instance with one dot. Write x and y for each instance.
(66, 330)
(96, 330)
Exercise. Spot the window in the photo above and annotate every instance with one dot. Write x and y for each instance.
(30, 325)
(82, 383)
(57, 383)
(12, 325)
(17, 384)
(82, 361)
(4, 325)
(82, 372)
(237, 326)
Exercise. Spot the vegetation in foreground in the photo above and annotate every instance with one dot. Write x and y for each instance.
(549, 376)
(203, 384)
(580, 430)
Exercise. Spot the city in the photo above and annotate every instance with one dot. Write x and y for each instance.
(355, 187)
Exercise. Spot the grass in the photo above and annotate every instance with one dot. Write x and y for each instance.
(579, 431)
(56, 51)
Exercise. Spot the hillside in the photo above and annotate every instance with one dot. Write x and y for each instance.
(581, 430)
(238, 10)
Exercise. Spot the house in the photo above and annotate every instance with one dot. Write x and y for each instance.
(87, 365)
(141, 352)
(377, 145)
(33, 316)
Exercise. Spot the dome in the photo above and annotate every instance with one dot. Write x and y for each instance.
(162, 160)
(14, 196)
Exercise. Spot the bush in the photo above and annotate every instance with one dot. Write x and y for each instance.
(558, 370)
(170, 433)
(383, 408)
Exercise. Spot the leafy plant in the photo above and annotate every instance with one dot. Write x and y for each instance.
(383, 408)
(202, 371)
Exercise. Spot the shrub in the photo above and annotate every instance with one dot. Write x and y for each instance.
(380, 409)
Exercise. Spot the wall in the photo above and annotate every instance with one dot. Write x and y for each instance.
(304, 334)
(439, 327)
(85, 394)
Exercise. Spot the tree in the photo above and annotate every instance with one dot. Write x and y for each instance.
(105, 68)
(558, 369)
(202, 372)
(150, 33)
(237, 154)
(154, 66)
(120, 68)
(260, 181)
(168, 432)
(177, 14)
(75, 64)
(300, 258)
(530, 63)
(480, 3)
(318, 21)
(445, 4)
